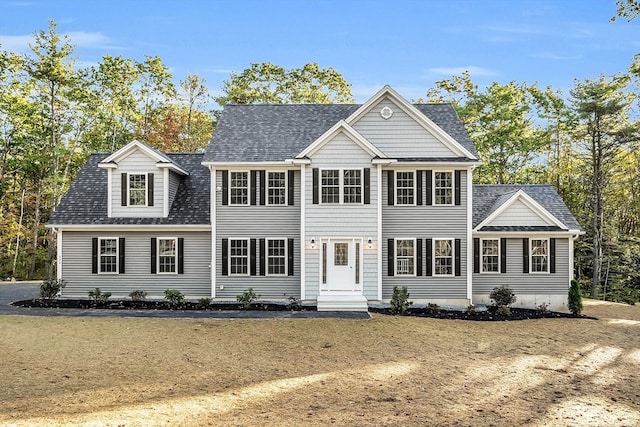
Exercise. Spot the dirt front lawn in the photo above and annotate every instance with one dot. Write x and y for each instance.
(384, 371)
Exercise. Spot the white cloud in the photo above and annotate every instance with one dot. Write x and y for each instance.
(454, 71)
(80, 39)
(15, 43)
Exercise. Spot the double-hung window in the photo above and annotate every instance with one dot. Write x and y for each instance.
(239, 257)
(167, 255)
(108, 260)
(276, 188)
(443, 257)
(405, 188)
(276, 257)
(539, 255)
(443, 188)
(239, 188)
(137, 189)
(341, 186)
(490, 255)
(405, 257)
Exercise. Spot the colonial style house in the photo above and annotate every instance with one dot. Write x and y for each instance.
(332, 204)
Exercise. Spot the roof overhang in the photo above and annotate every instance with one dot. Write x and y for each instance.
(129, 227)
(239, 165)
(351, 133)
(536, 207)
(522, 233)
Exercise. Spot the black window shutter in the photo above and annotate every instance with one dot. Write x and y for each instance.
(457, 187)
(252, 256)
(419, 188)
(121, 256)
(261, 256)
(367, 186)
(391, 197)
(254, 186)
(154, 251)
(429, 256)
(225, 257)
(525, 255)
(225, 187)
(263, 186)
(419, 257)
(457, 257)
(476, 255)
(94, 256)
(316, 184)
(429, 187)
(503, 255)
(552, 255)
(391, 254)
(150, 189)
(291, 180)
(123, 189)
(180, 255)
(290, 257)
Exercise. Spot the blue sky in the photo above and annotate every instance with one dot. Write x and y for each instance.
(407, 44)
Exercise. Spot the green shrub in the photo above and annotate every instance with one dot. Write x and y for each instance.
(400, 300)
(98, 297)
(502, 296)
(543, 308)
(175, 298)
(575, 298)
(138, 295)
(50, 289)
(432, 308)
(504, 310)
(247, 297)
(204, 303)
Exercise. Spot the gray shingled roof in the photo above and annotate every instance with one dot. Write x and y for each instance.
(274, 133)
(86, 201)
(488, 198)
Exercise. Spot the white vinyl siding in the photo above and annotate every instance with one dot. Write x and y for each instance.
(518, 214)
(139, 164)
(77, 272)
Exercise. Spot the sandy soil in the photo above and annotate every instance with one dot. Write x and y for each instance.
(386, 371)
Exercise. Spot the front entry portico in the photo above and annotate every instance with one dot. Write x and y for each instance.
(341, 274)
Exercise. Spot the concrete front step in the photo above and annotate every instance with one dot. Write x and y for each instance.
(342, 303)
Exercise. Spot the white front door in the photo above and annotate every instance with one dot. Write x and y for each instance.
(343, 264)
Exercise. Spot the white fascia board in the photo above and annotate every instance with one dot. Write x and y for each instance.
(109, 165)
(383, 162)
(438, 164)
(299, 161)
(351, 133)
(126, 228)
(536, 207)
(520, 234)
(414, 113)
(172, 166)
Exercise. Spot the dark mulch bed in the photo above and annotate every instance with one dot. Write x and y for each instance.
(157, 305)
(485, 315)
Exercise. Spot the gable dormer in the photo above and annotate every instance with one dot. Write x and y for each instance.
(142, 182)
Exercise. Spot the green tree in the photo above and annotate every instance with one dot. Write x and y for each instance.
(602, 107)
(266, 83)
(500, 122)
(627, 9)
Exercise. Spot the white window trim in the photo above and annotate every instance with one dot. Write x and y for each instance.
(453, 256)
(286, 256)
(175, 239)
(341, 186)
(415, 191)
(395, 256)
(100, 239)
(248, 188)
(267, 187)
(482, 271)
(453, 188)
(232, 239)
(531, 255)
(146, 190)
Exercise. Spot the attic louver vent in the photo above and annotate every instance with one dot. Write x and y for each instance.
(386, 113)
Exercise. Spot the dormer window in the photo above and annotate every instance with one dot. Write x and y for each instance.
(137, 190)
